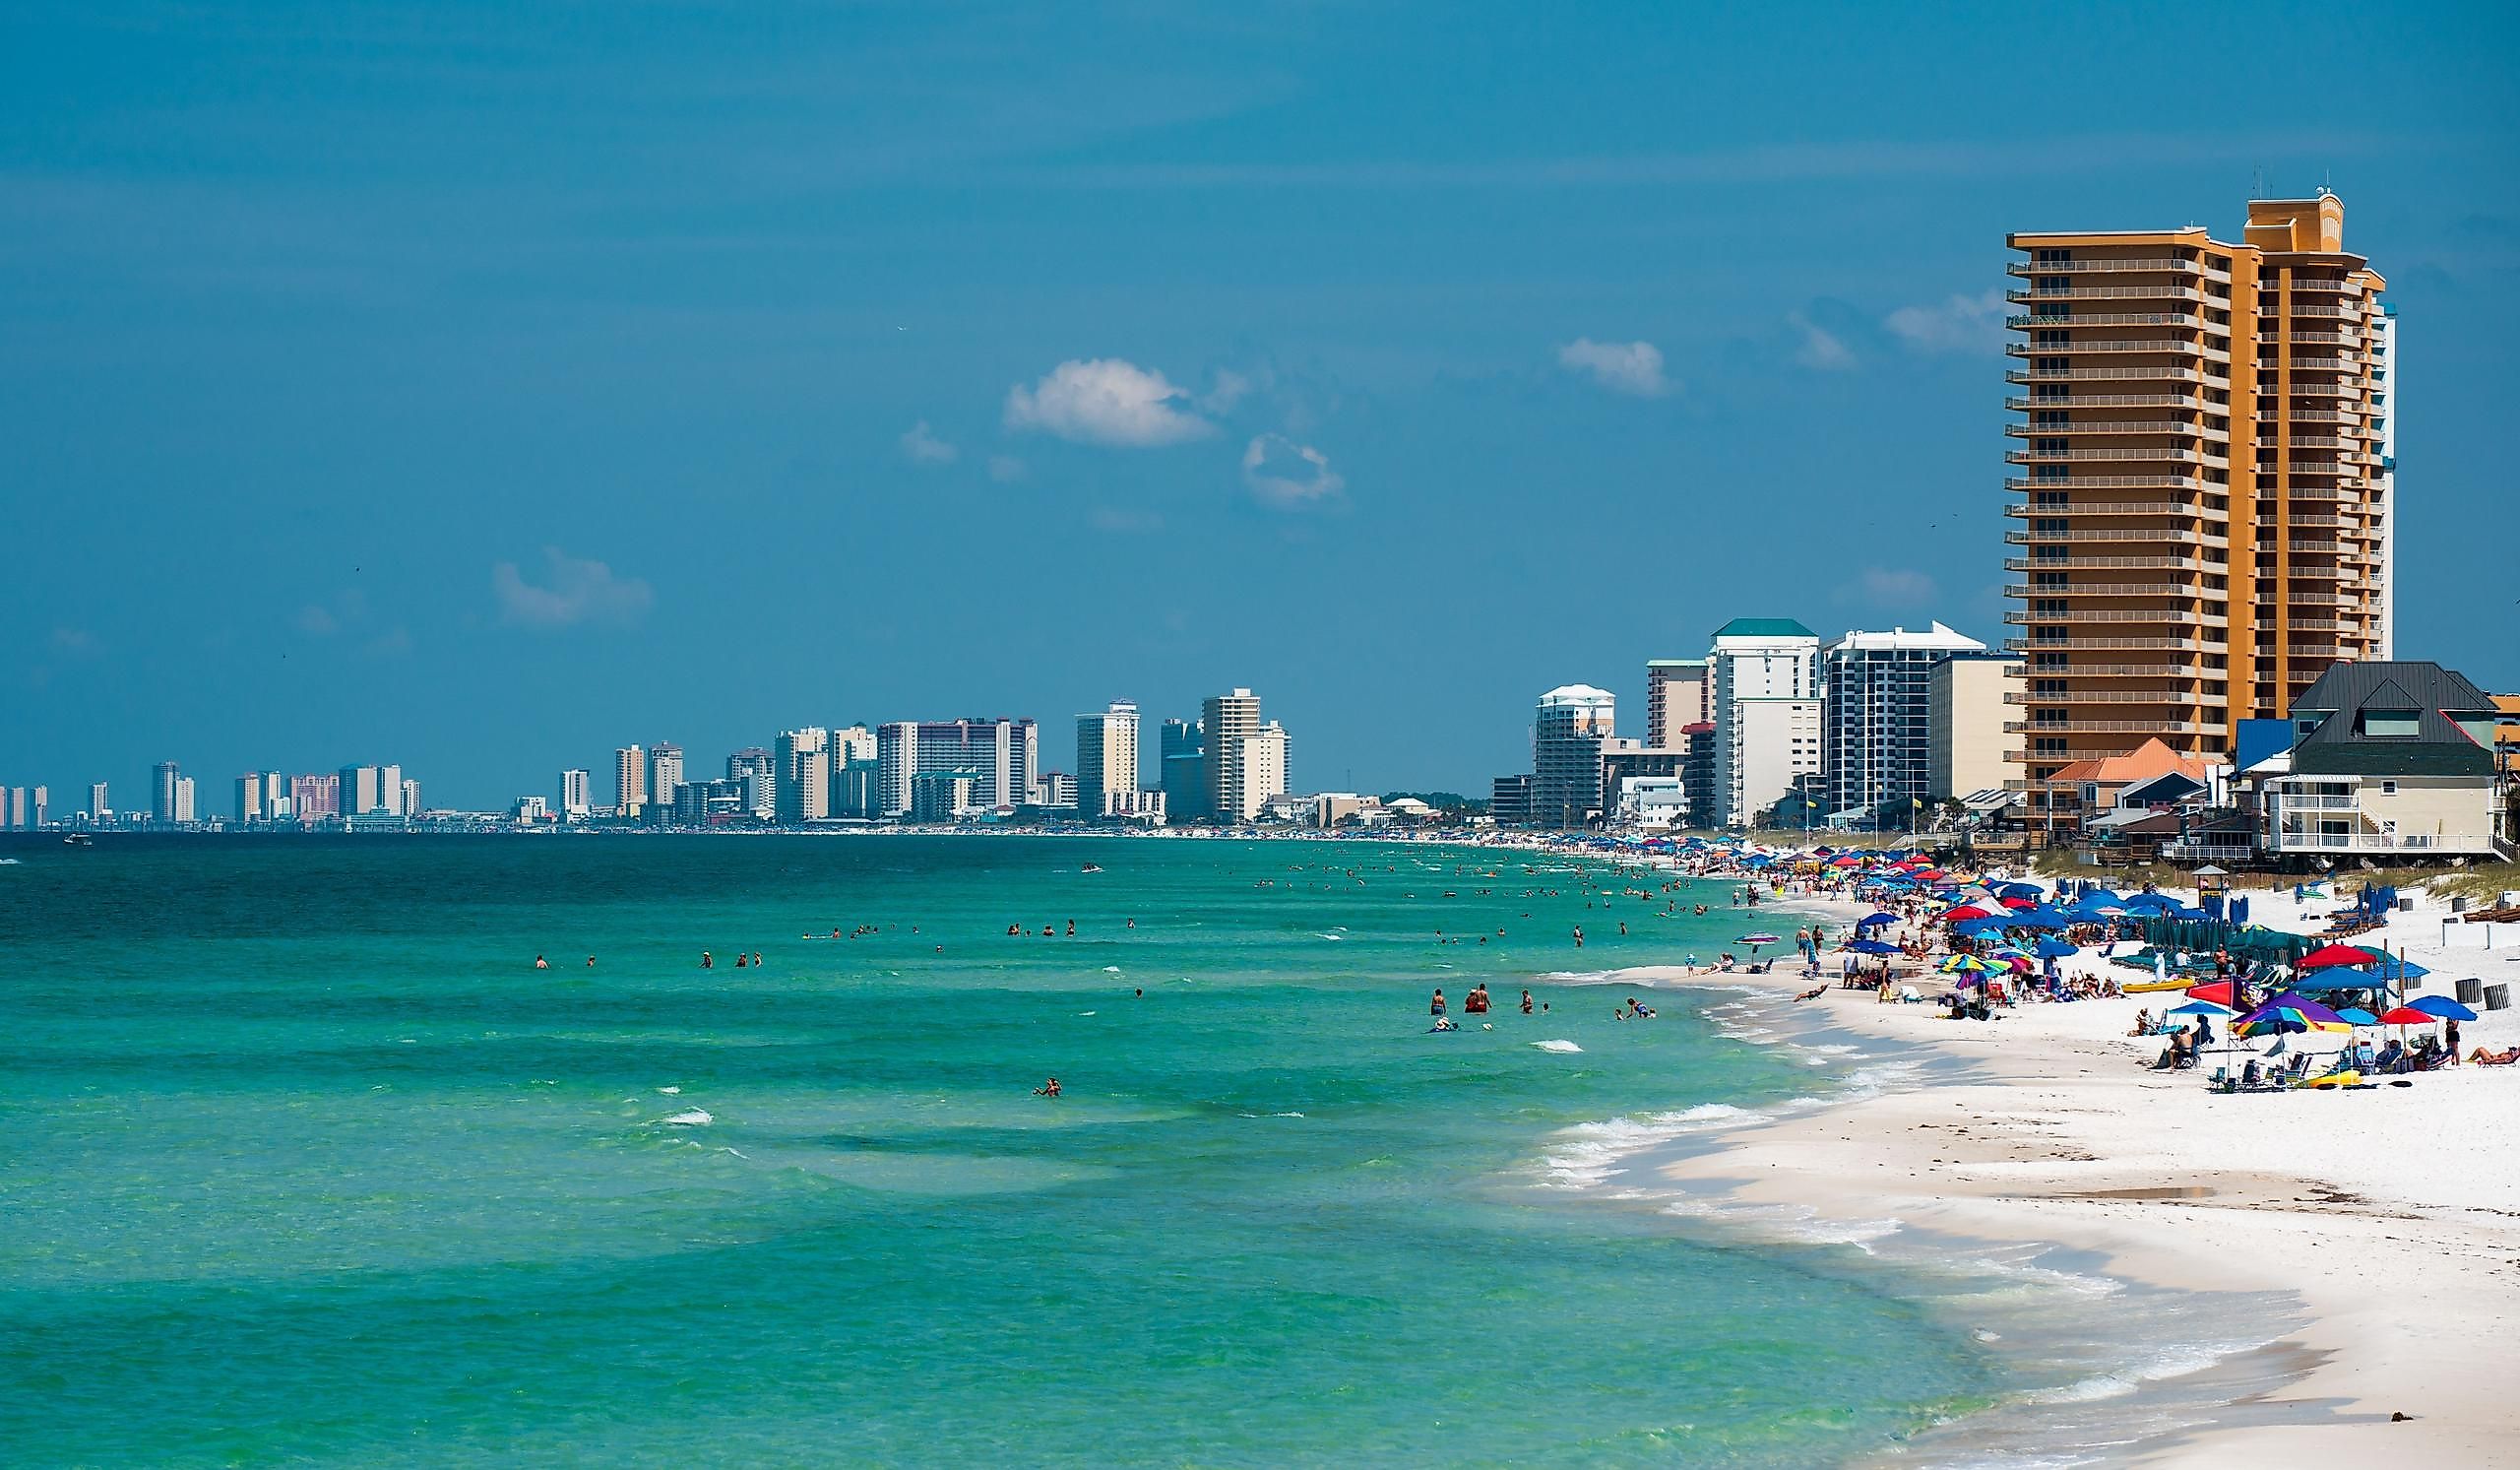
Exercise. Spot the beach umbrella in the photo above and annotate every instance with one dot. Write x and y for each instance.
(2219, 992)
(2040, 919)
(2408, 1015)
(1965, 911)
(2356, 1015)
(2200, 1008)
(2054, 949)
(2157, 902)
(2393, 967)
(2289, 1012)
(1964, 964)
(1872, 946)
(2018, 902)
(2327, 955)
(1876, 920)
(2017, 890)
(2441, 1006)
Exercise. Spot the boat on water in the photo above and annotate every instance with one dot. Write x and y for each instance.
(1091, 868)
(79, 840)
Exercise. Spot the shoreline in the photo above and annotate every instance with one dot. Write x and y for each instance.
(2042, 1131)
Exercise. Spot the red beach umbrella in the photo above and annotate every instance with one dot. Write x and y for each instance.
(2327, 956)
(2021, 903)
(1966, 911)
(2408, 1015)
(2220, 991)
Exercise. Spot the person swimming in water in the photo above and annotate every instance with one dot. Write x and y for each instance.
(1049, 1089)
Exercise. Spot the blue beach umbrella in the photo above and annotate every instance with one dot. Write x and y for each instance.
(1872, 946)
(2158, 903)
(2054, 949)
(2443, 1006)
(2359, 1016)
(1877, 920)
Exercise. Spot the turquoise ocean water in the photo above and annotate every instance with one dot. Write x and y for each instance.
(305, 1160)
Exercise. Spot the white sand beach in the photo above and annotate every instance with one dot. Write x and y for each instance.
(2393, 1215)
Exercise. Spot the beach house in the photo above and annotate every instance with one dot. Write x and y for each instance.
(2388, 759)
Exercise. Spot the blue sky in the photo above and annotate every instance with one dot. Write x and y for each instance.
(482, 387)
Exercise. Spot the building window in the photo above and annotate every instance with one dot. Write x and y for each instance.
(2389, 788)
(2387, 725)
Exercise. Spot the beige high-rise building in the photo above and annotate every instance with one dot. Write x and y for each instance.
(1106, 762)
(2204, 505)
(1968, 698)
(629, 780)
(1677, 695)
(1228, 720)
(664, 773)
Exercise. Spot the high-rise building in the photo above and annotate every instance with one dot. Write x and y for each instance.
(275, 798)
(1106, 761)
(12, 799)
(629, 780)
(314, 798)
(754, 767)
(2205, 513)
(100, 806)
(410, 802)
(1225, 722)
(576, 795)
(804, 775)
(858, 787)
(185, 813)
(664, 773)
(1875, 728)
(363, 790)
(249, 798)
(44, 807)
(1968, 698)
(1182, 752)
(1676, 694)
(1570, 733)
(161, 787)
(1005, 752)
(1260, 772)
(853, 742)
(1058, 788)
(1765, 674)
(1509, 801)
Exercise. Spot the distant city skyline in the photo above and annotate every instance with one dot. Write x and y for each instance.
(486, 397)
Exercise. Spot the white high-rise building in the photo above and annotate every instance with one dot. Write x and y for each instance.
(629, 780)
(1760, 753)
(185, 813)
(804, 775)
(163, 778)
(99, 807)
(1876, 724)
(1571, 734)
(1261, 776)
(852, 743)
(1005, 754)
(576, 795)
(1106, 762)
(756, 771)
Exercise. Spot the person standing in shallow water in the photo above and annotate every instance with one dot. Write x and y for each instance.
(1436, 1007)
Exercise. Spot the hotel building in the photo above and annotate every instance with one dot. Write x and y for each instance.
(1677, 696)
(2202, 519)
(1876, 728)
(1106, 762)
(629, 780)
(1005, 754)
(1571, 732)
(1765, 677)
(1966, 701)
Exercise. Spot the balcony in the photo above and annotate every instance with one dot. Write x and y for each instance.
(2116, 482)
(2099, 267)
(2088, 345)
(2114, 642)
(2091, 617)
(2325, 285)
(2109, 319)
(2180, 427)
(2164, 291)
(2107, 726)
(2164, 372)
(2106, 508)
(2171, 697)
(2182, 589)
(2074, 456)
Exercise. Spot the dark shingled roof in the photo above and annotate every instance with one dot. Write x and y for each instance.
(2439, 747)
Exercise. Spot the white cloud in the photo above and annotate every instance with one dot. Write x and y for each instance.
(1632, 367)
(1230, 388)
(1884, 584)
(1106, 401)
(1005, 469)
(923, 446)
(1820, 348)
(315, 620)
(1286, 475)
(1961, 324)
(578, 592)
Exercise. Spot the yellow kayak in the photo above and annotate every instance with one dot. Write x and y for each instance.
(2335, 1079)
(2148, 987)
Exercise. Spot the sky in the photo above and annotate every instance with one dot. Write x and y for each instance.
(482, 387)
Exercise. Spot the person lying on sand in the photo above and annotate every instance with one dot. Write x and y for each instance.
(2505, 1058)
